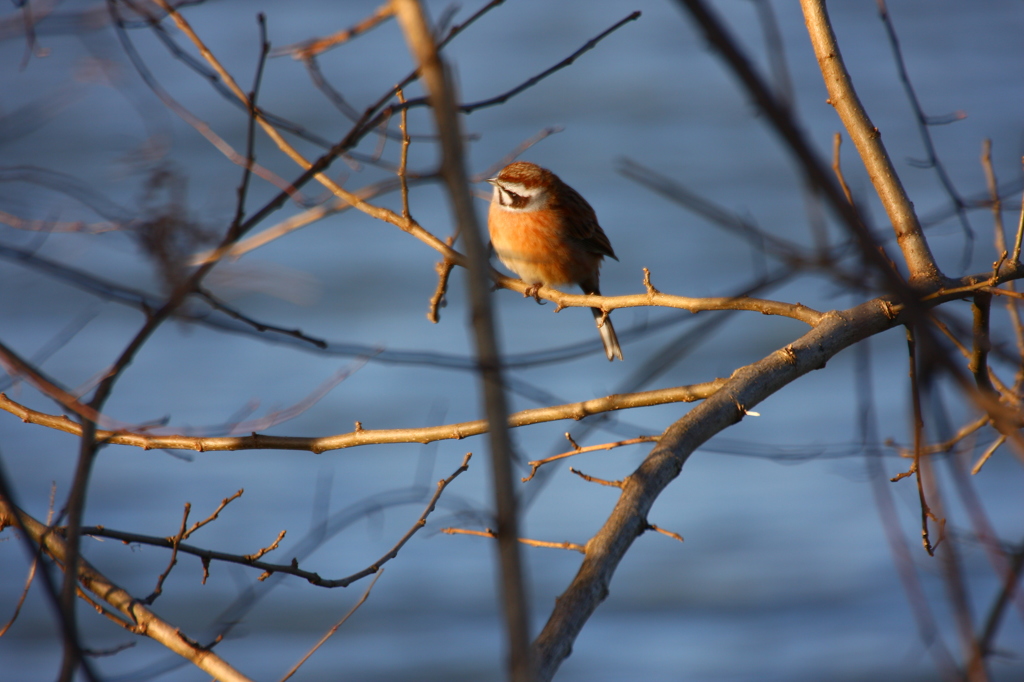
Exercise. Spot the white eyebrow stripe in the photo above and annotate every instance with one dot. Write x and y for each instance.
(508, 193)
(521, 189)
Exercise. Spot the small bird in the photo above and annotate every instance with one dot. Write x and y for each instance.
(545, 232)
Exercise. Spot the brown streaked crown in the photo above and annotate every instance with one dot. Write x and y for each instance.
(527, 174)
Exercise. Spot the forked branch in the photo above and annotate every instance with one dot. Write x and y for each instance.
(144, 621)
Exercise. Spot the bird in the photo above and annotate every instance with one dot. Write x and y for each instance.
(545, 231)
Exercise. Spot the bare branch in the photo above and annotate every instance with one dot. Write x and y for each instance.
(918, 430)
(458, 431)
(315, 46)
(198, 124)
(595, 479)
(867, 139)
(1011, 584)
(837, 168)
(145, 621)
(1015, 258)
(1012, 308)
(674, 536)
(21, 600)
(989, 451)
(589, 45)
(743, 390)
(526, 541)
(58, 226)
(253, 560)
(577, 450)
(307, 217)
(334, 628)
(175, 541)
(928, 630)
(444, 271)
(924, 122)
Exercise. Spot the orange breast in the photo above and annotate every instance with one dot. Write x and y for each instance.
(535, 246)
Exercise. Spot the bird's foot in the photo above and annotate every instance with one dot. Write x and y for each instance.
(534, 290)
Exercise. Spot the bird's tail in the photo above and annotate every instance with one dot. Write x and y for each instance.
(608, 337)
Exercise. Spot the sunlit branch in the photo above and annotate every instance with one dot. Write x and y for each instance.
(314, 46)
(145, 622)
(867, 139)
(577, 450)
(526, 541)
(362, 436)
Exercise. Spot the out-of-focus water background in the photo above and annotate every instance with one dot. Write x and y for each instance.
(785, 572)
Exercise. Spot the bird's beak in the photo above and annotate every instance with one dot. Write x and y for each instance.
(493, 181)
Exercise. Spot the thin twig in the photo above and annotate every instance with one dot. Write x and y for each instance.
(258, 554)
(537, 464)
(918, 430)
(175, 541)
(924, 618)
(334, 628)
(837, 168)
(488, 533)
(1015, 258)
(220, 305)
(924, 122)
(197, 124)
(403, 126)
(18, 368)
(21, 600)
(420, 523)
(947, 445)
(1004, 391)
(307, 217)
(58, 226)
(292, 568)
(595, 479)
(314, 46)
(589, 45)
(215, 515)
(656, 529)
(250, 133)
(989, 451)
(1012, 308)
(12, 516)
(981, 307)
(1010, 586)
(437, 300)
(764, 241)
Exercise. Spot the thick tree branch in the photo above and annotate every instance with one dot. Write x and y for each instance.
(745, 388)
(815, 171)
(867, 138)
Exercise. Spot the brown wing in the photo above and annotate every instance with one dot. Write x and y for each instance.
(582, 220)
